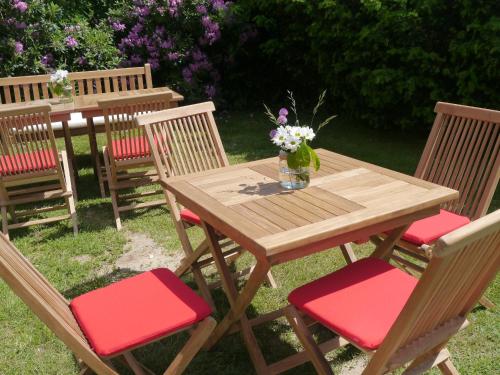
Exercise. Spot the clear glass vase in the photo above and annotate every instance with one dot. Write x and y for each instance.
(291, 178)
(62, 93)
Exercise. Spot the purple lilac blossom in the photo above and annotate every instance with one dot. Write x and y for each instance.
(283, 112)
(18, 47)
(71, 42)
(173, 56)
(82, 60)
(210, 91)
(187, 75)
(219, 4)
(117, 26)
(20, 6)
(20, 25)
(282, 120)
(135, 59)
(201, 9)
(47, 59)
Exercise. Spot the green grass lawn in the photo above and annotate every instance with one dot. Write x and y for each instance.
(79, 264)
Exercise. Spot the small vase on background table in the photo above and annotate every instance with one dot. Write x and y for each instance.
(60, 86)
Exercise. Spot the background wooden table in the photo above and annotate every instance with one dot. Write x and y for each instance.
(87, 105)
(347, 200)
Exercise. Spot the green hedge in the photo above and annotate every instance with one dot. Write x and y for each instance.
(386, 62)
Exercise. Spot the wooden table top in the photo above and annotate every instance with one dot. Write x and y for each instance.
(86, 103)
(246, 202)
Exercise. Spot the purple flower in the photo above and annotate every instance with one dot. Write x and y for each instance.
(18, 47)
(155, 64)
(210, 91)
(283, 112)
(282, 120)
(117, 26)
(20, 25)
(71, 42)
(82, 60)
(187, 74)
(173, 56)
(47, 59)
(201, 9)
(272, 133)
(20, 6)
(219, 4)
(135, 59)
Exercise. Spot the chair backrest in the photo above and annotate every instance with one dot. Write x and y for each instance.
(24, 89)
(463, 153)
(112, 80)
(462, 265)
(27, 142)
(184, 140)
(46, 302)
(119, 120)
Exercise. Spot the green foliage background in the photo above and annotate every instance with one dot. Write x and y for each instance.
(386, 62)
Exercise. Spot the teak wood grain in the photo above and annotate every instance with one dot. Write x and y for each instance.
(246, 202)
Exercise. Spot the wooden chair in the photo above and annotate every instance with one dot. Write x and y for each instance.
(392, 315)
(463, 153)
(36, 87)
(186, 140)
(113, 321)
(106, 81)
(127, 154)
(30, 168)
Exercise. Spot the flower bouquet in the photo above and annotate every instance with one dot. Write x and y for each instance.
(296, 156)
(60, 86)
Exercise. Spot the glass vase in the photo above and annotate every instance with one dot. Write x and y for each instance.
(62, 93)
(292, 178)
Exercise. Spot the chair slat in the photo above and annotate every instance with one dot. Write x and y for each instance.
(461, 153)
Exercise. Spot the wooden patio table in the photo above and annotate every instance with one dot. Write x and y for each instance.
(346, 200)
(87, 105)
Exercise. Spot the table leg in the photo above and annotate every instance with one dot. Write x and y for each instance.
(94, 152)
(385, 247)
(238, 301)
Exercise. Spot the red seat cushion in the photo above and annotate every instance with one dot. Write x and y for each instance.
(190, 217)
(359, 302)
(428, 230)
(130, 148)
(27, 162)
(137, 310)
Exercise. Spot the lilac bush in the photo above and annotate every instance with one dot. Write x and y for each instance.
(177, 37)
(35, 37)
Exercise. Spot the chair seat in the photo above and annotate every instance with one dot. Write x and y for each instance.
(27, 162)
(360, 302)
(428, 230)
(190, 217)
(137, 310)
(130, 148)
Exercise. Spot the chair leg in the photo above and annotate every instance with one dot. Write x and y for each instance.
(348, 253)
(271, 281)
(313, 352)
(116, 212)
(486, 302)
(192, 347)
(5, 222)
(70, 201)
(112, 192)
(447, 368)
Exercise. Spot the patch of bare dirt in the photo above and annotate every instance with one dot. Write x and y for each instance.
(82, 259)
(355, 366)
(142, 253)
